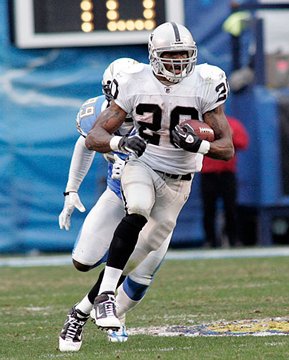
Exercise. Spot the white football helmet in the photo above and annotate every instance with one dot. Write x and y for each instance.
(172, 37)
(109, 87)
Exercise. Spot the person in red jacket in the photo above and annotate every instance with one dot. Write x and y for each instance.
(219, 181)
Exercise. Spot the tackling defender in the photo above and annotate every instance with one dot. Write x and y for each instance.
(98, 227)
(159, 97)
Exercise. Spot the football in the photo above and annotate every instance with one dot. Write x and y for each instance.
(203, 130)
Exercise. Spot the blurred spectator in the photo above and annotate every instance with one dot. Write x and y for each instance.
(239, 25)
(219, 181)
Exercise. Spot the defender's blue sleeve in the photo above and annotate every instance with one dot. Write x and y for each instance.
(85, 120)
(88, 113)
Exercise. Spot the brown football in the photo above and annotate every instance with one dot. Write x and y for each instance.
(203, 130)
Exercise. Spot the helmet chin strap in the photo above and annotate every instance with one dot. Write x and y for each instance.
(164, 77)
(165, 80)
(171, 78)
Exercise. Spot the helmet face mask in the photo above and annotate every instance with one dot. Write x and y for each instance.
(174, 39)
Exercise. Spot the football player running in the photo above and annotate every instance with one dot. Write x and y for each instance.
(98, 227)
(156, 181)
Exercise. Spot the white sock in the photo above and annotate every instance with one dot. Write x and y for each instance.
(85, 305)
(124, 303)
(110, 279)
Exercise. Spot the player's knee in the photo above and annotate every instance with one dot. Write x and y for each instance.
(81, 267)
(141, 206)
(139, 211)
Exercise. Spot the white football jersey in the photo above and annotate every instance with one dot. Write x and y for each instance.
(157, 108)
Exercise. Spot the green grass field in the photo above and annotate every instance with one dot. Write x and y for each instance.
(34, 302)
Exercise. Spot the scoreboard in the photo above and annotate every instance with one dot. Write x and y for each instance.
(75, 23)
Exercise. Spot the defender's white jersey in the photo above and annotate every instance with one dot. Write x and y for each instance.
(157, 108)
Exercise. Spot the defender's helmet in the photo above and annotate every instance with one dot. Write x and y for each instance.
(172, 37)
(109, 88)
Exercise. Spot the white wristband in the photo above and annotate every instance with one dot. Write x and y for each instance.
(204, 147)
(114, 141)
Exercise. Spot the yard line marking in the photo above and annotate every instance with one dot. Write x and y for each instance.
(251, 327)
(228, 253)
(190, 254)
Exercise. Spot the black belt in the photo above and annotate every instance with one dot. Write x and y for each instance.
(186, 177)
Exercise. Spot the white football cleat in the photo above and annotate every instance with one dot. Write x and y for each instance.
(70, 338)
(104, 313)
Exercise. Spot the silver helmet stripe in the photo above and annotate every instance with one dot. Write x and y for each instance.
(176, 31)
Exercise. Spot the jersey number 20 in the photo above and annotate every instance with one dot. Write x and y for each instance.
(155, 125)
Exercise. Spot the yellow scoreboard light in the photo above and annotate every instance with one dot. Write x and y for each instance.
(74, 23)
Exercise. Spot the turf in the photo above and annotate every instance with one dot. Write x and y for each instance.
(34, 302)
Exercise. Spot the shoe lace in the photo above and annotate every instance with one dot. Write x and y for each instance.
(109, 308)
(74, 327)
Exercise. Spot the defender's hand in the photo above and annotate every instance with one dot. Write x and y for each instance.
(184, 137)
(117, 167)
(71, 202)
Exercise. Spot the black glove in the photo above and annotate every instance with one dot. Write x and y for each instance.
(184, 137)
(132, 144)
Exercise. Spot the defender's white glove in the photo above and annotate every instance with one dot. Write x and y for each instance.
(71, 202)
(117, 167)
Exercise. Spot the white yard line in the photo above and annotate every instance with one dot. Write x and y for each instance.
(58, 260)
(228, 253)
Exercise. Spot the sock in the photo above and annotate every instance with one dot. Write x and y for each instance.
(122, 245)
(110, 279)
(124, 240)
(124, 303)
(85, 305)
(94, 291)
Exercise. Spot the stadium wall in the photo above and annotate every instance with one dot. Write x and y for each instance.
(41, 91)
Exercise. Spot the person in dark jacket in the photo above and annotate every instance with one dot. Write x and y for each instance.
(219, 181)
